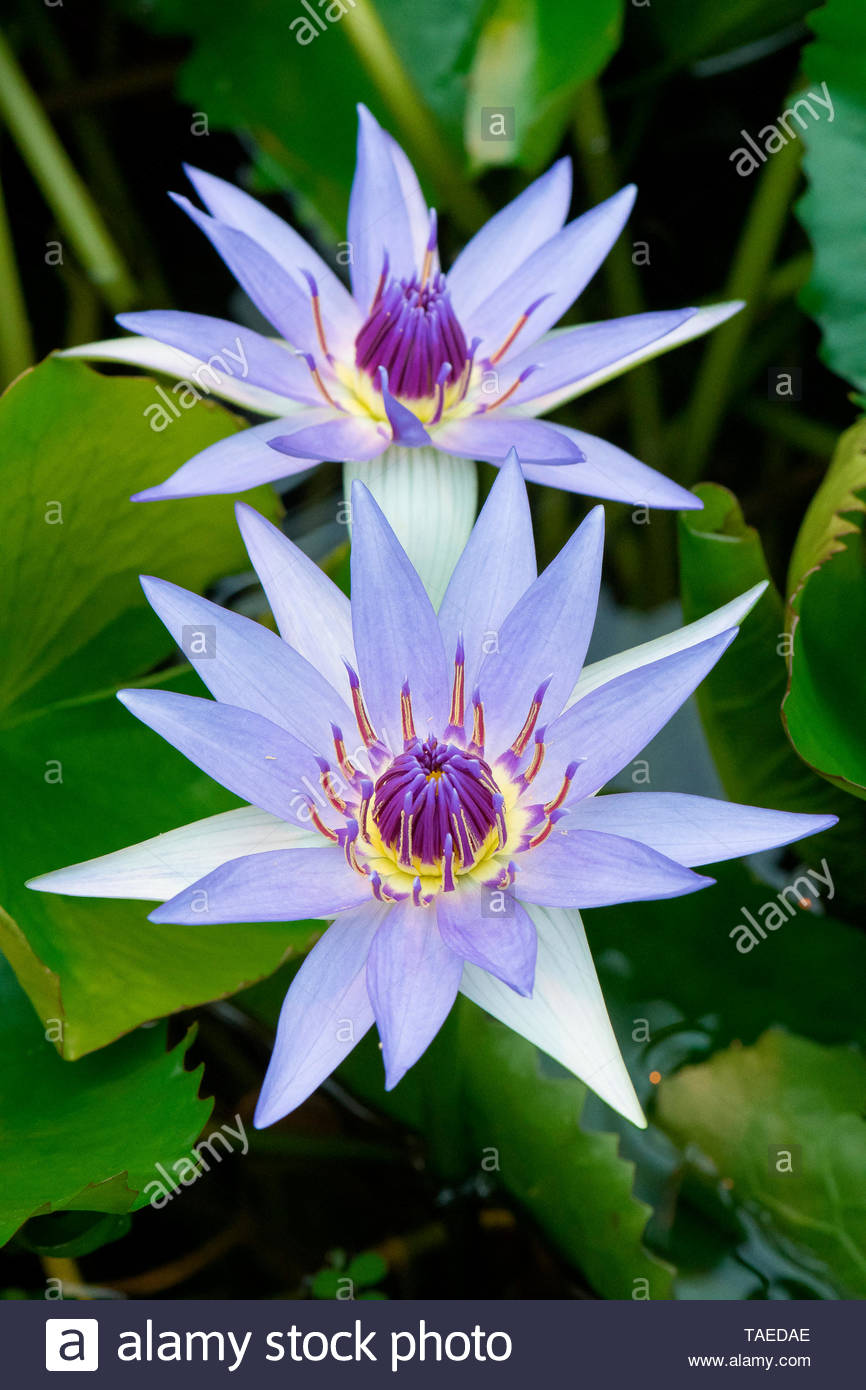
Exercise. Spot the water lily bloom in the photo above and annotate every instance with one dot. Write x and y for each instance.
(414, 370)
(428, 783)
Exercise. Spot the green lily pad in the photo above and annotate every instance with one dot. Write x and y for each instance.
(86, 1136)
(833, 210)
(80, 776)
(827, 621)
(783, 1123)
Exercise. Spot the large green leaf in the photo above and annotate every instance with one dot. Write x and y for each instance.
(531, 57)
(265, 70)
(783, 1122)
(80, 776)
(833, 210)
(740, 701)
(487, 1105)
(827, 618)
(87, 1136)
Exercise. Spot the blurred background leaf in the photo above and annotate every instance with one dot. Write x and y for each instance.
(783, 1122)
(833, 210)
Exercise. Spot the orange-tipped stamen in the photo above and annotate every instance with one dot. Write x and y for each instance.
(520, 324)
(477, 741)
(537, 759)
(365, 728)
(567, 780)
(458, 701)
(409, 735)
(521, 743)
(344, 763)
(315, 374)
(317, 313)
(323, 829)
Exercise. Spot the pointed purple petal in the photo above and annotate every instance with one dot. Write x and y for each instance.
(325, 1013)
(412, 980)
(255, 759)
(406, 427)
(237, 209)
(612, 723)
(496, 568)
(241, 461)
(509, 238)
(610, 472)
(559, 269)
(490, 928)
(692, 829)
(566, 357)
(397, 637)
(546, 634)
(379, 219)
(227, 349)
(492, 436)
(281, 885)
(331, 435)
(416, 204)
(244, 664)
(272, 290)
(583, 868)
(312, 614)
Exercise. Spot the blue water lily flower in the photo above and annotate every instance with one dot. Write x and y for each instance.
(429, 783)
(463, 363)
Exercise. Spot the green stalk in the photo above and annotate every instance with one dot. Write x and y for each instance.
(371, 42)
(62, 188)
(592, 135)
(16, 343)
(749, 271)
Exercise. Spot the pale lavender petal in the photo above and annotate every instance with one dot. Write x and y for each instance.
(379, 219)
(255, 759)
(610, 725)
(490, 928)
(237, 209)
(397, 636)
(312, 614)
(509, 237)
(405, 425)
(282, 885)
(327, 434)
(325, 1013)
(546, 634)
(583, 868)
(225, 348)
(412, 980)
(492, 436)
(241, 461)
(497, 566)
(692, 829)
(272, 290)
(416, 204)
(608, 471)
(568, 356)
(559, 270)
(244, 664)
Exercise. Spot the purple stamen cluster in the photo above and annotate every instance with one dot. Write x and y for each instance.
(435, 796)
(413, 332)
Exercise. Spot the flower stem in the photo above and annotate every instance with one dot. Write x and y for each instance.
(371, 42)
(16, 343)
(62, 188)
(747, 280)
(592, 135)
